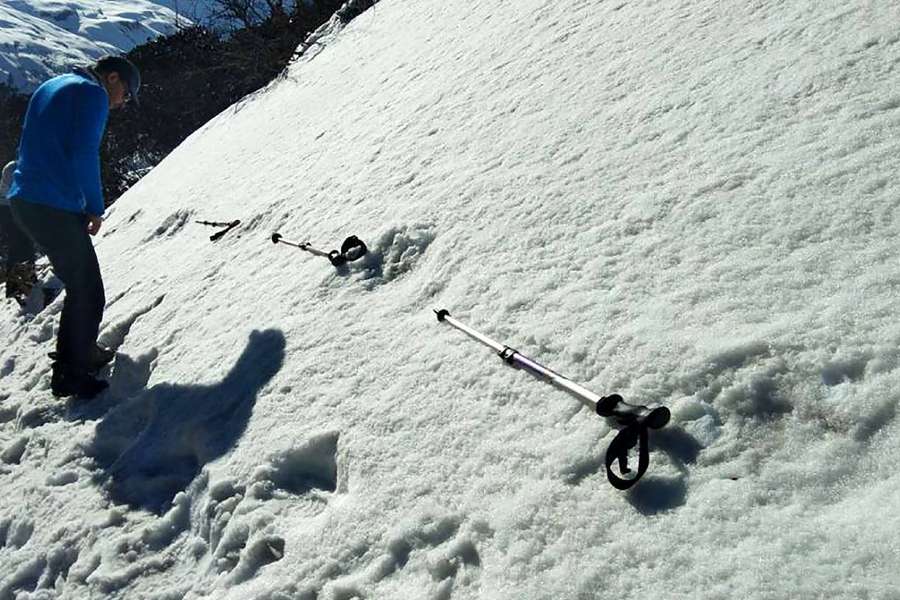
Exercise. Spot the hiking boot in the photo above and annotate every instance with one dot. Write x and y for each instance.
(70, 381)
(101, 357)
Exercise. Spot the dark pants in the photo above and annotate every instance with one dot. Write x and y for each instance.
(18, 245)
(64, 238)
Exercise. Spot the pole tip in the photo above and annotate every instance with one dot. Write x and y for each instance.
(441, 314)
(276, 237)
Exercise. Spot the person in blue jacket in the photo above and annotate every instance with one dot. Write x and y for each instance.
(57, 199)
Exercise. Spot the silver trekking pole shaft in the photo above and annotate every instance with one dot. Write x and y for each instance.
(587, 397)
(278, 239)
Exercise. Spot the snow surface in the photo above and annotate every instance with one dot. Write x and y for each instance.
(689, 203)
(43, 38)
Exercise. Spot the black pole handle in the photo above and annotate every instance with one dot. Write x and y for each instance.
(353, 248)
(637, 421)
(336, 258)
(613, 406)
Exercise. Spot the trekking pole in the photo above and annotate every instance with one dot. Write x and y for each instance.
(635, 420)
(215, 223)
(218, 235)
(352, 249)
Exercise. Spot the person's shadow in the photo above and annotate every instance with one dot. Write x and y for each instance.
(153, 445)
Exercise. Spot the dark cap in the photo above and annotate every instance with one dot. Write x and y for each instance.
(125, 69)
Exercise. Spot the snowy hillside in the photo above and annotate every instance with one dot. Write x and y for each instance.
(690, 204)
(42, 38)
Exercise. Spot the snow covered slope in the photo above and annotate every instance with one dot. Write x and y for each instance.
(42, 38)
(692, 204)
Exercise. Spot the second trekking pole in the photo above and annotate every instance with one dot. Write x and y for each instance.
(352, 249)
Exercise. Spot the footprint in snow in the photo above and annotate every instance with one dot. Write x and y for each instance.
(441, 545)
(395, 253)
(238, 530)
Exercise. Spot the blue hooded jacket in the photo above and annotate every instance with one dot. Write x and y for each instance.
(58, 163)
